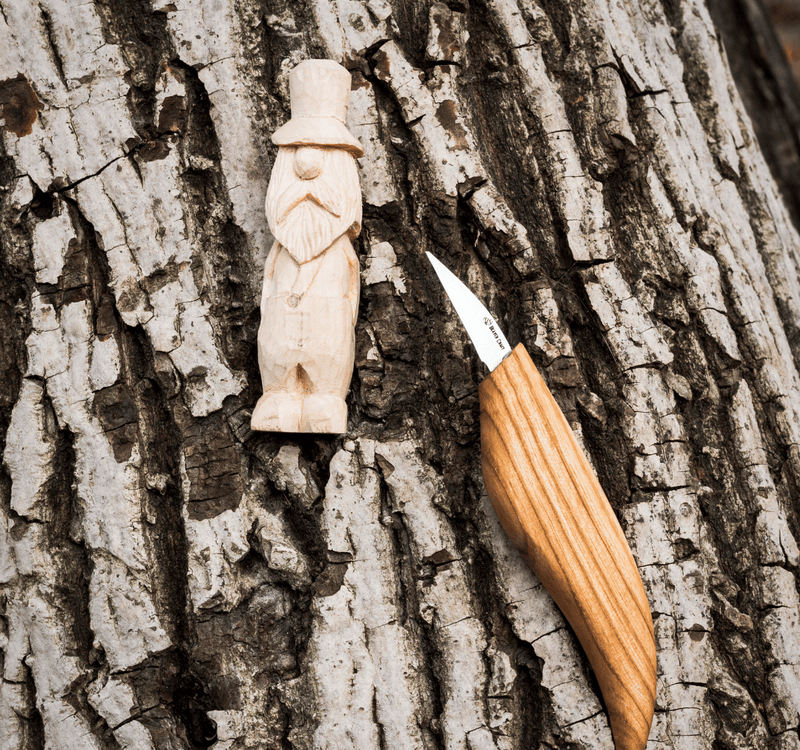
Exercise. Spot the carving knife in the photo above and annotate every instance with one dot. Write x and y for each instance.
(553, 509)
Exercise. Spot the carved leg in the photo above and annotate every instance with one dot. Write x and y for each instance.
(279, 351)
(328, 366)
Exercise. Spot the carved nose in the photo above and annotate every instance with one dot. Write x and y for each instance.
(308, 162)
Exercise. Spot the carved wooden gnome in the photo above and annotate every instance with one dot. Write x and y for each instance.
(306, 342)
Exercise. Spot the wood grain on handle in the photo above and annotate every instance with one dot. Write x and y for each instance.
(553, 508)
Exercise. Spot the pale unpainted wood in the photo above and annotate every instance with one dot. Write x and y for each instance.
(306, 341)
(556, 513)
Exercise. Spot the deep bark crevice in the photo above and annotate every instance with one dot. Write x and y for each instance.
(146, 47)
(768, 90)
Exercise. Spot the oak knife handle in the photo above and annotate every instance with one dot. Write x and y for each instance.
(552, 506)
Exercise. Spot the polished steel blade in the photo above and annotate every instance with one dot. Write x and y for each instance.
(481, 326)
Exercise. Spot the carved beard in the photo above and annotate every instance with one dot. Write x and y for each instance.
(306, 216)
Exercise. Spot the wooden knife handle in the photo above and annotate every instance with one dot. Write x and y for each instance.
(555, 512)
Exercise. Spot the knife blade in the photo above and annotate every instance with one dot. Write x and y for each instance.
(555, 512)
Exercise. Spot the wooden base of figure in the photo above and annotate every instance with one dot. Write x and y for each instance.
(281, 411)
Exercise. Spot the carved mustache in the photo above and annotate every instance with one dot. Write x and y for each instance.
(318, 190)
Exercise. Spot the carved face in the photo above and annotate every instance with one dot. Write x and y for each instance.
(313, 198)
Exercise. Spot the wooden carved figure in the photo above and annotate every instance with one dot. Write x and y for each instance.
(306, 341)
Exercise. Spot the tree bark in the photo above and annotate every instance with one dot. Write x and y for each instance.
(173, 580)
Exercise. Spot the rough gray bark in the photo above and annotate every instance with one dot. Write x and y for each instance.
(172, 580)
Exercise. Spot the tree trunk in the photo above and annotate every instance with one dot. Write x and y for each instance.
(173, 580)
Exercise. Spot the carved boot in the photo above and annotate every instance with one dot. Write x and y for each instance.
(277, 411)
(324, 413)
